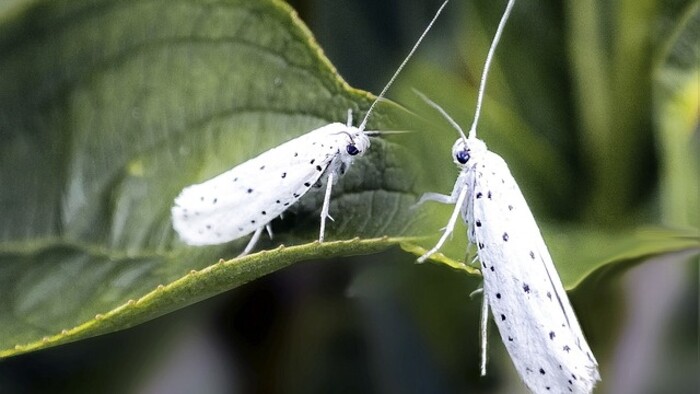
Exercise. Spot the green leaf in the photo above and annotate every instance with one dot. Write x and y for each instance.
(47, 298)
(109, 108)
(578, 252)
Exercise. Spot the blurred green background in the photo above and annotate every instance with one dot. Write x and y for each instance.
(594, 105)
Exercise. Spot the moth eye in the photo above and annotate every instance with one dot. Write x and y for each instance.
(462, 156)
(352, 149)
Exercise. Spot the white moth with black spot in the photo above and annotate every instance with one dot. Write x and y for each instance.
(521, 285)
(246, 198)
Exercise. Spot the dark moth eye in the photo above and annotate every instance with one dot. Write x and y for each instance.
(462, 156)
(352, 150)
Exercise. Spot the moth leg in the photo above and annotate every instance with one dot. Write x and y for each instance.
(441, 198)
(326, 206)
(253, 240)
(484, 327)
(450, 226)
(269, 230)
(474, 260)
(476, 292)
(349, 124)
(484, 333)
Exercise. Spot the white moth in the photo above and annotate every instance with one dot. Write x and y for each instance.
(521, 285)
(248, 197)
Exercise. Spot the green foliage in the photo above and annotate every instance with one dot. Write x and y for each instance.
(109, 108)
(40, 317)
(676, 109)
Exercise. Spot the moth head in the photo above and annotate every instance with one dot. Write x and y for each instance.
(357, 142)
(465, 152)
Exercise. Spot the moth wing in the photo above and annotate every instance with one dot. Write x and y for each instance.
(523, 289)
(254, 192)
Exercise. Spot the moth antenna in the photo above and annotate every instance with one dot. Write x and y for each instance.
(376, 133)
(415, 46)
(487, 66)
(442, 112)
